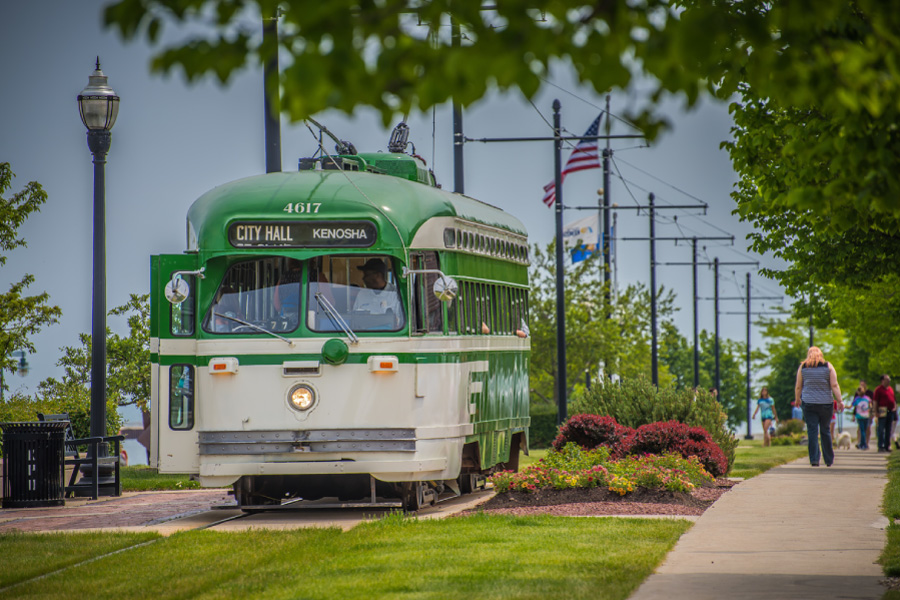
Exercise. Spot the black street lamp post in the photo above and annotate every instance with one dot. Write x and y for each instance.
(98, 105)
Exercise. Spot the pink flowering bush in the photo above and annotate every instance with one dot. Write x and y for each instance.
(591, 431)
(672, 436)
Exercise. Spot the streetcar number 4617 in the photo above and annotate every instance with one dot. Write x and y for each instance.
(303, 207)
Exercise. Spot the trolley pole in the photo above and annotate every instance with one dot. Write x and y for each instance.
(560, 273)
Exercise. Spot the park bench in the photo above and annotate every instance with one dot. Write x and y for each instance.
(75, 459)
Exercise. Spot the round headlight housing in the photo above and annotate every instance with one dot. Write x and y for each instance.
(302, 397)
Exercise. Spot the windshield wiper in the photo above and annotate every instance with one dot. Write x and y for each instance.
(336, 317)
(254, 326)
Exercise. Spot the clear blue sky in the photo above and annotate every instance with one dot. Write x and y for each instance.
(172, 142)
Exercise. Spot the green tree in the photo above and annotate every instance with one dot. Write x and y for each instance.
(677, 354)
(128, 362)
(620, 343)
(21, 316)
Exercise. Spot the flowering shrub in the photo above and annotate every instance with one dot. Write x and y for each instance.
(668, 471)
(672, 436)
(575, 467)
(620, 485)
(570, 467)
(591, 431)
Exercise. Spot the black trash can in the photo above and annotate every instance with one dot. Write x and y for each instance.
(34, 464)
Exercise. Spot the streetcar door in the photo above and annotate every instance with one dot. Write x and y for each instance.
(174, 446)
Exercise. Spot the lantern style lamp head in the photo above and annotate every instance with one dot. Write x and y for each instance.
(98, 105)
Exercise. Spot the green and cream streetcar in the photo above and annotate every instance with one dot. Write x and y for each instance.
(346, 331)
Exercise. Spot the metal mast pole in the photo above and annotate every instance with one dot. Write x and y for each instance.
(716, 276)
(749, 394)
(696, 336)
(607, 152)
(272, 96)
(654, 352)
(560, 273)
(458, 176)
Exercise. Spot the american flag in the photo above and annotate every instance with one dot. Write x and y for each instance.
(584, 156)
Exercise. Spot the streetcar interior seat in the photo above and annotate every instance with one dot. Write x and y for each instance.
(75, 459)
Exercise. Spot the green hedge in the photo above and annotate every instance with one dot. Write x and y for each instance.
(21, 408)
(543, 428)
(636, 401)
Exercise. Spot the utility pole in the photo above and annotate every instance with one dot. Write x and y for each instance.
(272, 95)
(716, 383)
(604, 212)
(654, 352)
(748, 313)
(693, 265)
(560, 273)
(458, 178)
(557, 139)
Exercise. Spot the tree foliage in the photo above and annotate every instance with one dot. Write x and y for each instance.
(21, 316)
(677, 354)
(620, 343)
(127, 361)
(398, 55)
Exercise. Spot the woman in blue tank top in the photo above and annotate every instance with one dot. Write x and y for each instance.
(817, 392)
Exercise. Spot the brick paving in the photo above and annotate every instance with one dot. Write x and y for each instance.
(134, 509)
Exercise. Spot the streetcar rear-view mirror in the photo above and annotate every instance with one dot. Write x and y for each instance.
(177, 290)
(445, 288)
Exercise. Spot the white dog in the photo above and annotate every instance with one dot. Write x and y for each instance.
(843, 441)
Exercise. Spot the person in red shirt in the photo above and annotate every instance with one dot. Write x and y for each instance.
(885, 406)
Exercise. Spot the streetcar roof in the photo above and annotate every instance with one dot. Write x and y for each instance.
(343, 195)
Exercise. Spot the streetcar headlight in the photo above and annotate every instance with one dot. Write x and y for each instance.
(302, 397)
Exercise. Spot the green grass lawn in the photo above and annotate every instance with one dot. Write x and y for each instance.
(752, 458)
(478, 556)
(890, 556)
(141, 478)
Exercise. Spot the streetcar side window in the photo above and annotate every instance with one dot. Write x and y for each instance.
(182, 316)
(428, 314)
(257, 296)
(181, 397)
(360, 289)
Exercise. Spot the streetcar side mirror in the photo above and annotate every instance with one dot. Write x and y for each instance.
(445, 288)
(177, 290)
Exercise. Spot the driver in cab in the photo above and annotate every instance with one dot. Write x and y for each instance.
(378, 297)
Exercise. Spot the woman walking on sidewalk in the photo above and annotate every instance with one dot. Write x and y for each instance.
(817, 392)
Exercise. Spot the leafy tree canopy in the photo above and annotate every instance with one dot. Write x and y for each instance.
(621, 343)
(21, 316)
(127, 361)
(399, 55)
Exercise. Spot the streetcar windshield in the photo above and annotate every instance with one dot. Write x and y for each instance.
(257, 297)
(362, 289)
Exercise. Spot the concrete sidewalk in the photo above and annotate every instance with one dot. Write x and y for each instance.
(794, 532)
